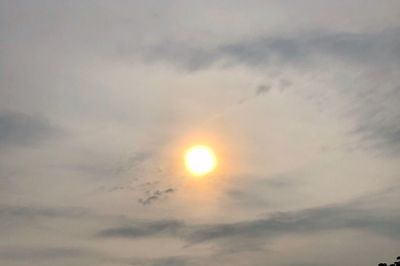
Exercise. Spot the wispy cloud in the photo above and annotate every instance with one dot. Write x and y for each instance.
(261, 89)
(373, 95)
(39, 254)
(379, 48)
(156, 195)
(144, 229)
(351, 215)
(24, 129)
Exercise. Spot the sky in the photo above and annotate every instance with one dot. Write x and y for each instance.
(100, 99)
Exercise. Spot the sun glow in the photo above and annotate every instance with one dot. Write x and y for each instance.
(200, 160)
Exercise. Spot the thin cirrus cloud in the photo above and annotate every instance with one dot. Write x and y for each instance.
(317, 90)
(373, 95)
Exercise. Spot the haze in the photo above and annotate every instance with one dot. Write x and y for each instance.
(100, 99)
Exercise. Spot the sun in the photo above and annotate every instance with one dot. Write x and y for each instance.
(200, 160)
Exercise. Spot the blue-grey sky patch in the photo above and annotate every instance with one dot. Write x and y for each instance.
(23, 129)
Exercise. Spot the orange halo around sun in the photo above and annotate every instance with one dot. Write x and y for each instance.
(200, 160)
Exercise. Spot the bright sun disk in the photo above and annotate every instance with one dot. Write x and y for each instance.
(200, 160)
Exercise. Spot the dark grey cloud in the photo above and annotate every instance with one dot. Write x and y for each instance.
(13, 217)
(261, 89)
(370, 213)
(23, 129)
(37, 253)
(307, 264)
(376, 48)
(305, 221)
(172, 261)
(156, 195)
(36, 211)
(160, 261)
(58, 254)
(377, 122)
(144, 229)
(258, 91)
(379, 48)
(353, 215)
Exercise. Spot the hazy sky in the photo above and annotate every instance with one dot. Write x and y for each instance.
(99, 100)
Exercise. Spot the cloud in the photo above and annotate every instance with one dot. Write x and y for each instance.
(307, 264)
(156, 195)
(373, 95)
(57, 254)
(375, 48)
(352, 215)
(128, 96)
(377, 122)
(35, 211)
(160, 261)
(305, 221)
(261, 89)
(133, 161)
(284, 84)
(13, 218)
(23, 129)
(144, 229)
(37, 253)
(173, 261)
(302, 48)
(263, 192)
